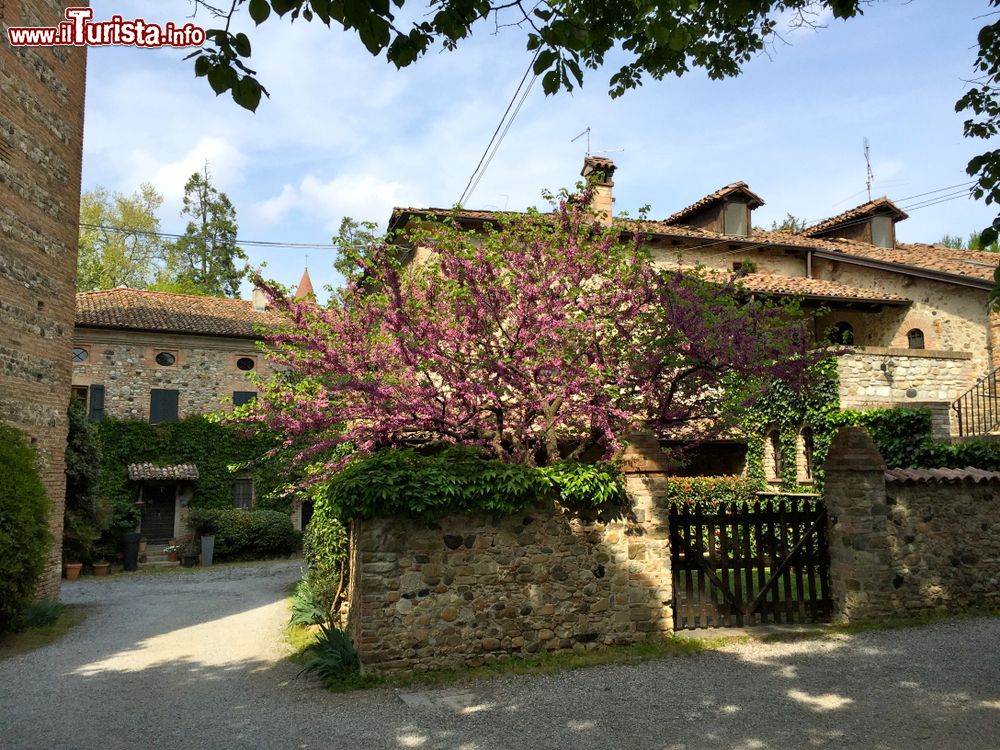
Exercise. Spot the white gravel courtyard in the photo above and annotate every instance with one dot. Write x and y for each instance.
(194, 660)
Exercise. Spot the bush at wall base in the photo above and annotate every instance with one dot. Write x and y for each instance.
(24, 525)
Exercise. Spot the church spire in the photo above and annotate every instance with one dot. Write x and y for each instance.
(305, 286)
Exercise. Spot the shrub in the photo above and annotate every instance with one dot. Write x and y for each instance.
(24, 525)
(711, 492)
(86, 516)
(247, 534)
(586, 485)
(324, 542)
(309, 605)
(334, 657)
(40, 614)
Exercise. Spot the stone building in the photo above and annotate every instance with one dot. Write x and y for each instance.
(161, 357)
(41, 138)
(916, 317)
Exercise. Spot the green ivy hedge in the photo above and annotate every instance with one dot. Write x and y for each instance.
(460, 479)
(712, 492)
(247, 534)
(24, 525)
(217, 449)
(904, 438)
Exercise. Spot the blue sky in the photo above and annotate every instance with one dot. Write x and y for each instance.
(347, 134)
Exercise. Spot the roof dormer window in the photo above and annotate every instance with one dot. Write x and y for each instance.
(882, 231)
(737, 218)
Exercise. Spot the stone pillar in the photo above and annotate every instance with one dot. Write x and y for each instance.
(858, 518)
(650, 583)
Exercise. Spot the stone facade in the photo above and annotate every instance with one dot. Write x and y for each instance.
(475, 589)
(908, 542)
(204, 370)
(41, 137)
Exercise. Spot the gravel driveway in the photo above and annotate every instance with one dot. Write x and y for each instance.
(193, 660)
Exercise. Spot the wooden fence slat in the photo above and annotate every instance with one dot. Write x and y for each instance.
(688, 573)
(700, 578)
(745, 529)
(797, 536)
(786, 577)
(711, 526)
(737, 563)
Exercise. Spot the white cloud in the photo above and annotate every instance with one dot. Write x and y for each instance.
(361, 196)
(225, 162)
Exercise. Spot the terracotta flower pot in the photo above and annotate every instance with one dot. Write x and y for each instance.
(102, 569)
(73, 571)
(171, 557)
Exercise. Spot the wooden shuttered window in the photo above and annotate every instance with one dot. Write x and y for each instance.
(243, 397)
(243, 493)
(163, 405)
(96, 411)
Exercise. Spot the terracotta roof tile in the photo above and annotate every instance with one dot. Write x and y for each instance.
(799, 286)
(942, 475)
(152, 472)
(734, 187)
(137, 309)
(965, 264)
(850, 215)
(968, 263)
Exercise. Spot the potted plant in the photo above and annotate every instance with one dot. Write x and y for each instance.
(172, 551)
(189, 555)
(73, 570)
(101, 567)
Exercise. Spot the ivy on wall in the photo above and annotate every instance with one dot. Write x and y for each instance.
(787, 412)
(220, 451)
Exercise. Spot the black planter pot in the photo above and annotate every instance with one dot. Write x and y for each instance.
(188, 561)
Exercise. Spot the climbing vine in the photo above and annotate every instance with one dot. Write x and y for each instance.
(220, 451)
(788, 412)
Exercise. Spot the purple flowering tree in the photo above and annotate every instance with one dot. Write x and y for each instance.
(538, 338)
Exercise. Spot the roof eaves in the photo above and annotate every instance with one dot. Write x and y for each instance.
(918, 271)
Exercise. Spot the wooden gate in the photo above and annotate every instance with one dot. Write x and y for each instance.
(744, 564)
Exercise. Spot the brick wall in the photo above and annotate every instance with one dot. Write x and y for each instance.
(908, 542)
(474, 589)
(41, 136)
(204, 371)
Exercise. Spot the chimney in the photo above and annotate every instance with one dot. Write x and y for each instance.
(259, 300)
(600, 171)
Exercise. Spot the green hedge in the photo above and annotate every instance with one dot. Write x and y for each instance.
(903, 437)
(24, 525)
(247, 534)
(711, 492)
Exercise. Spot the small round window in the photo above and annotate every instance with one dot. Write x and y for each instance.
(165, 359)
(80, 354)
(245, 363)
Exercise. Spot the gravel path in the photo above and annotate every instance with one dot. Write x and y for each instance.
(193, 660)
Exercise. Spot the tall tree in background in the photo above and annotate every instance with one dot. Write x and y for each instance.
(118, 242)
(975, 242)
(789, 224)
(204, 260)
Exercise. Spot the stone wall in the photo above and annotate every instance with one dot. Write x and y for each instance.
(474, 589)
(906, 542)
(41, 137)
(124, 362)
(920, 378)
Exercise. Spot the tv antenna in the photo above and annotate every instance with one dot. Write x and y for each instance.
(589, 152)
(870, 177)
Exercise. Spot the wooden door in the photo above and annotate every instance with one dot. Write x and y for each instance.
(159, 501)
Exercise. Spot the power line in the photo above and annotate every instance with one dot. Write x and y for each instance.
(241, 242)
(487, 157)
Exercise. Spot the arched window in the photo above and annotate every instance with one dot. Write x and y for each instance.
(842, 333)
(915, 338)
(772, 456)
(804, 457)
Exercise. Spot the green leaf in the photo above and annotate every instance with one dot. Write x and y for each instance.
(242, 45)
(222, 77)
(543, 61)
(247, 93)
(259, 11)
(202, 65)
